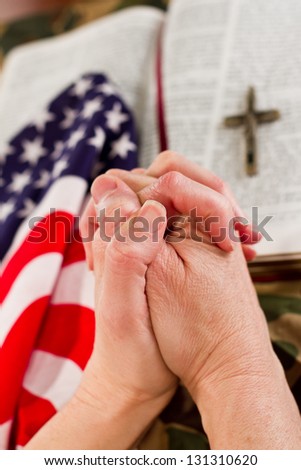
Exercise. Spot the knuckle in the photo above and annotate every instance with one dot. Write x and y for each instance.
(226, 188)
(222, 187)
(116, 209)
(121, 252)
(115, 253)
(106, 211)
(219, 185)
(170, 179)
(168, 159)
(227, 208)
(223, 205)
(112, 171)
(95, 184)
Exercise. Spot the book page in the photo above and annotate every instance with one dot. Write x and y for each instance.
(122, 45)
(214, 50)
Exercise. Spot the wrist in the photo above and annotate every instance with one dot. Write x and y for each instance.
(89, 423)
(240, 348)
(110, 407)
(106, 402)
(99, 385)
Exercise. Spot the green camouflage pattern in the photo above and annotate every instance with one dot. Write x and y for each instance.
(179, 426)
(281, 303)
(61, 20)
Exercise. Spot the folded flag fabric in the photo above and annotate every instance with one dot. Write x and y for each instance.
(47, 317)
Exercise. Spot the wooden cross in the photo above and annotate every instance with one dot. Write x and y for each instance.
(250, 120)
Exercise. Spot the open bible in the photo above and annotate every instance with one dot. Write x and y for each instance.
(212, 52)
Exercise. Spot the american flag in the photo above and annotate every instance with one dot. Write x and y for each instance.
(47, 317)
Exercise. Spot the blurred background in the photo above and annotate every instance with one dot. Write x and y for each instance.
(22, 21)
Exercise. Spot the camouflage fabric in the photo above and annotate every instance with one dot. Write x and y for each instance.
(281, 303)
(179, 426)
(61, 20)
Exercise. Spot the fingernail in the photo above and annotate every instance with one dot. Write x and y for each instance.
(252, 254)
(253, 235)
(231, 246)
(105, 187)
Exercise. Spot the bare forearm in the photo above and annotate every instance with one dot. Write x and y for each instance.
(116, 424)
(251, 412)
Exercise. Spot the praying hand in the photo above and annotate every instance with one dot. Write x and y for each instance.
(169, 310)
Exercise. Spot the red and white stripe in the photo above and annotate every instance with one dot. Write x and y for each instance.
(46, 320)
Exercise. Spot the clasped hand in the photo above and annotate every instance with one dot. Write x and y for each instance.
(169, 307)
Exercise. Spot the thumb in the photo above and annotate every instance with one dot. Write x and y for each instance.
(127, 257)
